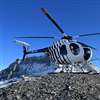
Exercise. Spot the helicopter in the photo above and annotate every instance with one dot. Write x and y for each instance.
(66, 51)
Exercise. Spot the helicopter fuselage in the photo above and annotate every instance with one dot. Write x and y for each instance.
(64, 51)
(69, 52)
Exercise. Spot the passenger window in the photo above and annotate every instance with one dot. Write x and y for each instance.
(63, 50)
(74, 48)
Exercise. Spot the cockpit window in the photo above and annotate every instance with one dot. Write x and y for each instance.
(74, 48)
(87, 53)
(63, 50)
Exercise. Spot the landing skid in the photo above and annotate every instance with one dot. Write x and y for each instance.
(80, 68)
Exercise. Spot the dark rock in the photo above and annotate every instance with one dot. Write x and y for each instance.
(61, 86)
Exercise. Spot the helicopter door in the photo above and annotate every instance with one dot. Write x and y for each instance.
(63, 50)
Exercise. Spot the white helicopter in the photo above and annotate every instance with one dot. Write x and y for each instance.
(65, 51)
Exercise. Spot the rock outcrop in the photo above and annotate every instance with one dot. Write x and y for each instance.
(61, 86)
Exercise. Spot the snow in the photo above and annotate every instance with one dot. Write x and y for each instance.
(38, 69)
(6, 83)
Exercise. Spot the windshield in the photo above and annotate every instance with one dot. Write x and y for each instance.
(74, 48)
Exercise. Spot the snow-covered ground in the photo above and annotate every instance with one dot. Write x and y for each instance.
(6, 83)
(35, 67)
(38, 69)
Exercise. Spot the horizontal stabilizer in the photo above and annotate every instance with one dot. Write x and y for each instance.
(22, 43)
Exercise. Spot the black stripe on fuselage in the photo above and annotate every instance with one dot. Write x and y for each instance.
(68, 60)
(60, 57)
(51, 54)
(56, 53)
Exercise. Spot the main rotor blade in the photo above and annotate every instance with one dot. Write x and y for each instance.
(96, 58)
(52, 20)
(85, 45)
(36, 37)
(89, 34)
